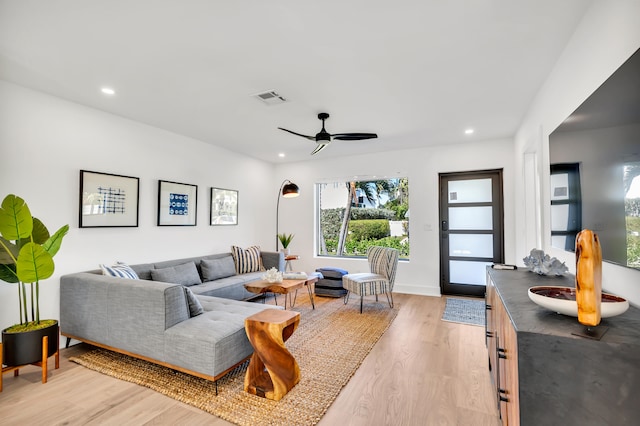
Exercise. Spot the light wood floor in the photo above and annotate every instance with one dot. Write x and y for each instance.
(423, 371)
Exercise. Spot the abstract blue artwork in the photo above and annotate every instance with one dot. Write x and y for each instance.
(178, 204)
(113, 200)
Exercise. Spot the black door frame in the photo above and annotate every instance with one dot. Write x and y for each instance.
(446, 287)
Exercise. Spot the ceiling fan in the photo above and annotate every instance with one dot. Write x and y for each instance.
(324, 138)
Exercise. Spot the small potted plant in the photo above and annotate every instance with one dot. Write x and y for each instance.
(285, 240)
(26, 258)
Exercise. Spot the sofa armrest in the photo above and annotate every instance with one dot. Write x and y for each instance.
(272, 259)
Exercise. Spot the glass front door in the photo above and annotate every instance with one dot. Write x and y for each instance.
(471, 230)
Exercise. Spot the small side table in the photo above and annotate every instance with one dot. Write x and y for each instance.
(288, 258)
(267, 331)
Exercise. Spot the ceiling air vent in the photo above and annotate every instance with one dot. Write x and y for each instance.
(270, 98)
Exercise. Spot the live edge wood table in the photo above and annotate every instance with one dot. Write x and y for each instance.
(272, 370)
(285, 287)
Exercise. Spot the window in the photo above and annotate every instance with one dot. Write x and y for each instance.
(355, 215)
(566, 205)
(631, 181)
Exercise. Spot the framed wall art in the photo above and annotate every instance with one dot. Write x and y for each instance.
(224, 206)
(108, 200)
(177, 204)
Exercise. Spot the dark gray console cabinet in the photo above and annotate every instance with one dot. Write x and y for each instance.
(545, 375)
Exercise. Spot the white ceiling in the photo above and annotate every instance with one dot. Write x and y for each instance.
(416, 72)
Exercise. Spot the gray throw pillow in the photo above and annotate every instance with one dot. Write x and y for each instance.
(185, 274)
(214, 269)
(195, 308)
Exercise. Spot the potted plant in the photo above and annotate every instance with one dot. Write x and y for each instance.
(26, 258)
(285, 240)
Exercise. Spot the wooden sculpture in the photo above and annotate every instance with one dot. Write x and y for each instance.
(588, 277)
(272, 371)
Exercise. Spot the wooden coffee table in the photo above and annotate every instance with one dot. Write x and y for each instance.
(285, 287)
(272, 371)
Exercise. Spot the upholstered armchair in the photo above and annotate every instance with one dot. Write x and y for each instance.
(383, 263)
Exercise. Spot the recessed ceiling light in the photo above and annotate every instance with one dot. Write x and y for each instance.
(468, 131)
(281, 155)
(108, 91)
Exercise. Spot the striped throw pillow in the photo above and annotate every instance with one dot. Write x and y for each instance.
(248, 260)
(120, 270)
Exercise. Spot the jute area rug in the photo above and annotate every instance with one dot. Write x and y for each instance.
(464, 311)
(329, 345)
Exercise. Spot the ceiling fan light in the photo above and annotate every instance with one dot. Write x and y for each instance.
(323, 137)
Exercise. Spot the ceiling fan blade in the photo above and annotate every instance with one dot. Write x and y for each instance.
(354, 136)
(319, 148)
(311, 138)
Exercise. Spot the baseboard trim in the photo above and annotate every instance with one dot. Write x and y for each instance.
(417, 290)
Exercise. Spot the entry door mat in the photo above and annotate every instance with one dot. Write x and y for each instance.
(464, 311)
(330, 344)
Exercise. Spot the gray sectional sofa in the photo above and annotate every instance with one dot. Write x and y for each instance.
(216, 273)
(181, 327)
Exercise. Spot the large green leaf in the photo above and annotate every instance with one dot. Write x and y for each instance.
(8, 273)
(52, 245)
(34, 263)
(40, 233)
(7, 250)
(15, 218)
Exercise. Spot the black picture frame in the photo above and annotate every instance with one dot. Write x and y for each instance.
(223, 207)
(177, 204)
(108, 200)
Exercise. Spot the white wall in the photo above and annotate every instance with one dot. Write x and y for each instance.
(46, 141)
(421, 274)
(608, 35)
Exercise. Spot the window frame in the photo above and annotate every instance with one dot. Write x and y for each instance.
(322, 185)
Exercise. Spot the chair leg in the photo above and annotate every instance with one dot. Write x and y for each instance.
(390, 299)
(363, 291)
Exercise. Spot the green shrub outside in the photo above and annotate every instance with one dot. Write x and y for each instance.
(367, 227)
(331, 219)
(373, 229)
(358, 213)
(633, 242)
(359, 248)
(330, 222)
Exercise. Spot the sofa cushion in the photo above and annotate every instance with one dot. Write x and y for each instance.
(195, 308)
(214, 269)
(185, 274)
(120, 270)
(248, 260)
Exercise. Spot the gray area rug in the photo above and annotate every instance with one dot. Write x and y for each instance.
(465, 311)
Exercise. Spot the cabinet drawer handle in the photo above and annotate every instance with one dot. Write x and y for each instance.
(488, 307)
(501, 353)
(489, 333)
(502, 398)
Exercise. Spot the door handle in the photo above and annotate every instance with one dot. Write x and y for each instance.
(445, 225)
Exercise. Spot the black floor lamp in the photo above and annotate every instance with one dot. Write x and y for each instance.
(288, 189)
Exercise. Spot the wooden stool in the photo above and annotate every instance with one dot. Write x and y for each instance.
(267, 331)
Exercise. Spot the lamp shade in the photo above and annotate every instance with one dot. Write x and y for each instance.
(290, 190)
